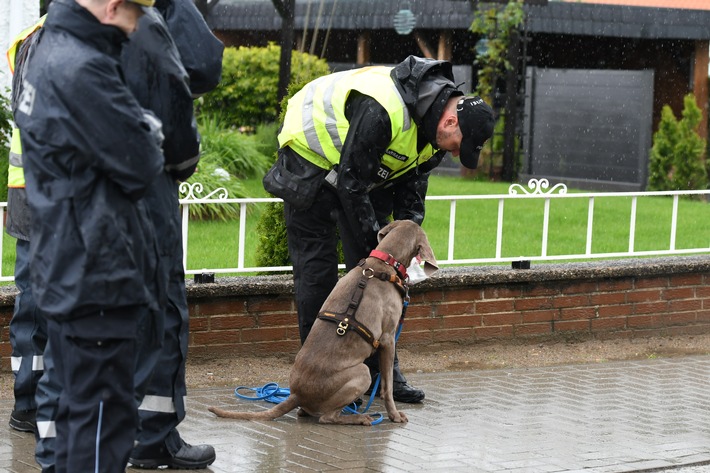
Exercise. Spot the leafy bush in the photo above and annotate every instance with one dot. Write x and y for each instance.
(676, 161)
(495, 24)
(272, 249)
(266, 135)
(247, 94)
(239, 153)
(5, 118)
(227, 155)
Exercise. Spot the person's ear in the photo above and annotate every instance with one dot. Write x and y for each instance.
(112, 8)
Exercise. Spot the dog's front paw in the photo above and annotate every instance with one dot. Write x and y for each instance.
(399, 417)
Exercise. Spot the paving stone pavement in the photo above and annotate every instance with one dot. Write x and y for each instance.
(650, 415)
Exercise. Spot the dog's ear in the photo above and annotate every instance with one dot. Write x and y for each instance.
(385, 230)
(427, 254)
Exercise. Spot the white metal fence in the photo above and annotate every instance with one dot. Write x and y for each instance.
(537, 189)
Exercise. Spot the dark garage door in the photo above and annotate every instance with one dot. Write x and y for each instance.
(590, 129)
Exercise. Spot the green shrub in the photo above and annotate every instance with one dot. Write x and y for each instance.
(676, 161)
(266, 135)
(4, 161)
(5, 118)
(239, 153)
(227, 155)
(272, 249)
(247, 94)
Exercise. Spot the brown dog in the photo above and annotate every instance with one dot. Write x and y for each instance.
(329, 372)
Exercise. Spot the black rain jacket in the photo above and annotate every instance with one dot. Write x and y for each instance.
(155, 74)
(89, 155)
(425, 86)
(200, 50)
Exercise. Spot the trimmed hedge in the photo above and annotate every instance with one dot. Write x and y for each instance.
(247, 95)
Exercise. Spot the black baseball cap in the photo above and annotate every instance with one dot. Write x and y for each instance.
(476, 123)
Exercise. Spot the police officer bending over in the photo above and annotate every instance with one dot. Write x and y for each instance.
(356, 149)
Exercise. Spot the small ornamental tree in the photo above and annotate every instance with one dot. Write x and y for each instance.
(272, 248)
(677, 155)
(495, 24)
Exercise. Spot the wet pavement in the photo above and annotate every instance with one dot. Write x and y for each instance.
(650, 415)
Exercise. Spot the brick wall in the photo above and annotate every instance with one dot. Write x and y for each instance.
(637, 298)
(603, 300)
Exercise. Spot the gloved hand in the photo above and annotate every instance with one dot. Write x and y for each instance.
(155, 126)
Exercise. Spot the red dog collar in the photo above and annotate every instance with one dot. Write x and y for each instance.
(389, 259)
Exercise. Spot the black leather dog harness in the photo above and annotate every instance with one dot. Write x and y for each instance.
(347, 321)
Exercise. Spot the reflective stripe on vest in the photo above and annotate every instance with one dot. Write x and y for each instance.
(15, 46)
(315, 125)
(15, 174)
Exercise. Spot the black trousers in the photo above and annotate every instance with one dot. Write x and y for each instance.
(313, 246)
(163, 407)
(97, 417)
(28, 334)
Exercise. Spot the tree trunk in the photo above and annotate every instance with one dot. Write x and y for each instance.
(287, 12)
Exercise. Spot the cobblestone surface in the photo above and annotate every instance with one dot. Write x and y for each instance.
(649, 415)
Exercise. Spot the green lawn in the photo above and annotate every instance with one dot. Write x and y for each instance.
(215, 244)
(523, 224)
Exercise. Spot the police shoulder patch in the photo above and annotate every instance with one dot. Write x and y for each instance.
(396, 155)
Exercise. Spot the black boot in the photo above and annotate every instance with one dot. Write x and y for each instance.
(24, 421)
(403, 392)
(189, 457)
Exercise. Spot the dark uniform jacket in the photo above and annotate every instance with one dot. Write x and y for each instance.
(425, 86)
(152, 64)
(18, 212)
(200, 50)
(155, 74)
(89, 155)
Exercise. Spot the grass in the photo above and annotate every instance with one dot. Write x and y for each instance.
(215, 244)
(476, 223)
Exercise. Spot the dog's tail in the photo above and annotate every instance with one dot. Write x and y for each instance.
(278, 410)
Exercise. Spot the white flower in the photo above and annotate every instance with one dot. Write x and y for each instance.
(222, 174)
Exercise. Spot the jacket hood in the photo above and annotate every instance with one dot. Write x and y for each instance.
(425, 86)
(69, 16)
(200, 50)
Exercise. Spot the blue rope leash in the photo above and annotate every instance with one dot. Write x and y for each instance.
(271, 392)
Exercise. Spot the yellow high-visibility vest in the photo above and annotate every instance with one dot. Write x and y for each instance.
(15, 46)
(15, 174)
(315, 125)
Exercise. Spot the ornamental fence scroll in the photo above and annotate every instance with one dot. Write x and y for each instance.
(537, 248)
